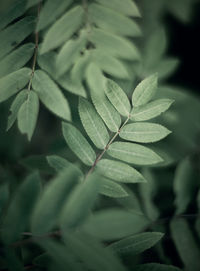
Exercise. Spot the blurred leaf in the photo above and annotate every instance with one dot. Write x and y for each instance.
(20, 208)
(156, 267)
(4, 195)
(185, 244)
(93, 124)
(49, 205)
(79, 202)
(136, 244)
(78, 144)
(115, 223)
(112, 189)
(133, 153)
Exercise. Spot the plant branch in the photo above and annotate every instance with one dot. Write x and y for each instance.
(36, 48)
(106, 148)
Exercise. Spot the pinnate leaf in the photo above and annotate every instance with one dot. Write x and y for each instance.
(145, 91)
(78, 144)
(144, 132)
(119, 171)
(111, 189)
(133, 153)
(50, 95)
(150, 110)
(93, 124)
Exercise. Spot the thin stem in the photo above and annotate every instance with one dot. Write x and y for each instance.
(106, 148)
(35, 50)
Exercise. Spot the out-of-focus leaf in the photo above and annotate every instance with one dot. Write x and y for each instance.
(156, 267)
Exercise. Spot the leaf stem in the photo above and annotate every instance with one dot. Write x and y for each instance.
(36, 48)
(106, 148)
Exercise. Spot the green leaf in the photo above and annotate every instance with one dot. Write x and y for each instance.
(118, 98)
(15, 106)
(156, 267)
(115, 223)
(145, 91)
(20, 208)
(4, 196)
(28, 113)
(58, 33)
(13, 263)
(48, 207)
(127, 7)
(144, 132)
(95, 79)
(150, 110)
(185, 244)
(15, 34)
(185, 184)
(112, 189)
(92, 253)
(119, 171)
(36, 162)
(17, 59)
(31, 3)
(106, 110)
(47, 62)
(51, 10)
(50, 95)
(133, 153)
(80, 202)
(68, 54)
(109, 64)
(122, 48)
(60, 163)
(112, 21)
(15, 11)
(93, 124)
(167, 67)
(72, 86)
(78, 70)
(137, 244)
(78, 144)
(12, 83)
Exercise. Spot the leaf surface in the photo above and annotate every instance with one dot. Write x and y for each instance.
(112, 189)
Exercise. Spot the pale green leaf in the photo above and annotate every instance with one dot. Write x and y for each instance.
(51, 10)
(12, 83)
(47, 62)
(93, 124)
(145, 91)
(95, 79)
(119, 171)
(80, 202)
(15, 34)
(72, 86)
(69, 53)
(150, 110)
(122, 48)
(60, 163)
(109, 64)
(185, 244)
(78, 144)
(156, 267)
(16, 59)
(185, 184)
(133, 153)
(167, 67)
(59, 33)
(112, 21)
(136, 244)
(49, 205)
(28, 114)
(106, 110)
(50, 95)
(118, 98)
(20, 208)
(15, 11)
(80, 66)
(15, 106)
(127, 7)
(115, 223)
(112, 189)
(144, 132)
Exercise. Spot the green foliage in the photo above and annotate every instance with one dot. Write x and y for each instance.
(90, 198)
